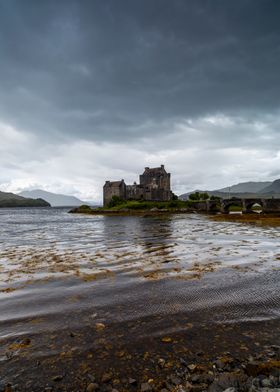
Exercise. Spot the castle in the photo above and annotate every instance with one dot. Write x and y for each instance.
(154, 186)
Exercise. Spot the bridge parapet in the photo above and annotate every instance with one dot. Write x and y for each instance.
(267, 205)
(223, 205)
(271, 205)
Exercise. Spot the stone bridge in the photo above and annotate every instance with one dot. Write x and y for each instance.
(223, 205)
(267, 205)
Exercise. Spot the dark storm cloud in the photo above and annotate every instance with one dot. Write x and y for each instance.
(118, 70)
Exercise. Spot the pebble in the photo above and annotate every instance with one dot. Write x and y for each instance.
(132, 381)
(252, 369)
(175, 380)
(145, 387)
(59, 377)
(266, 382)
(183, 362)
(26, 342)
(256, 382)
(9, 388)
(99, 326)
(202, 378)
(92, 387)
(106, 377)
(226, 381)
(105, 388)
(161, 362)
(91, 377)
(166, 339)
(220, 364)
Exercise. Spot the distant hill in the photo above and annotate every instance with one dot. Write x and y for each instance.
(55, 199)
(244, 190)
(223, 195)
(8, 200)
(247, 187)
(273, 188)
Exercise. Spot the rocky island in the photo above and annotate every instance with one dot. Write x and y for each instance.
(153, 195)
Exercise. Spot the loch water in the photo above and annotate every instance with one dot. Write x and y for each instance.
(138, 277)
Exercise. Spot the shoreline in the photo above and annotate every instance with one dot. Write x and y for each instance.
(127, 212)
(271, 219)
(244, 356)
(253, 218)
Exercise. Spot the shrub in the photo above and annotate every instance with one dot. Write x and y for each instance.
(194, 196)
(199, 196)
(84, 207)
(204, 196)
(115, 201)
(215, 198)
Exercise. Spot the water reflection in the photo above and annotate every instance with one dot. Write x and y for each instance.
(54, 263)
(50, 243)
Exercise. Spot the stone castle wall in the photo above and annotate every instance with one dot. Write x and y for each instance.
(113, 188)
(154, 186)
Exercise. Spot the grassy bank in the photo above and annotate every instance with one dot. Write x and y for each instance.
(128, 207)
(148, 205)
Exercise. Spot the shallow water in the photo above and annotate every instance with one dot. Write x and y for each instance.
(143, 277)
(46, 243)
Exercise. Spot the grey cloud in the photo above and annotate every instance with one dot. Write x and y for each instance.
(99, 70)
(96, 89)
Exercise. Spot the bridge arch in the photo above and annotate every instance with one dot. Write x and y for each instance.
(213, 206)
(227, 203)
(249, 203)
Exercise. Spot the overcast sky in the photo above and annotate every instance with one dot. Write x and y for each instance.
(98, 89)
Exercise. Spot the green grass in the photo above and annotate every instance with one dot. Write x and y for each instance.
(147, 205)
(257, 208)
(134, 205)
(235, 208)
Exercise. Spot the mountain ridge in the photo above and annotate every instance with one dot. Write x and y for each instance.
(249, 186)
(247, 189)
(274, 187)
(55, 199)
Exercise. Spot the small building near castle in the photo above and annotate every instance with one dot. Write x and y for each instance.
(154, 185)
